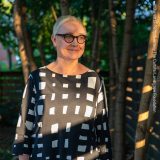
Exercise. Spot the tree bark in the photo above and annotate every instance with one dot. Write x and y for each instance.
(27, 39)
(64, 7)
(144, 121)
(53, 13)
(29, 50)
(113, 65)
(96, 38)
(113, 26)
(112, 87)
(42, 55)
(154, 109)
(18, 26)
(120, 95)
(9, 59)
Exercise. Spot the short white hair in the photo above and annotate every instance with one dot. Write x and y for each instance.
(61, 20)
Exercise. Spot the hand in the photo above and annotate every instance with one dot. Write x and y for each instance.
(24, 157)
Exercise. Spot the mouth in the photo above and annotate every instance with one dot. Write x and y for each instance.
(74, 49)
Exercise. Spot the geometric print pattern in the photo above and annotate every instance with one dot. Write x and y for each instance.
(63, 117)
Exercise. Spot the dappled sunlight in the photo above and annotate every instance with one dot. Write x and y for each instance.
(139, 80)
(140, 144)
(129, 79)
(124, 55)
(147, 88)
(139, 68)
(143, 116)
(129, 89)
(129, 98)
(78, 155)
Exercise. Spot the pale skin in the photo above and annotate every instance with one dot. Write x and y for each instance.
(68, 55)
(23, 157)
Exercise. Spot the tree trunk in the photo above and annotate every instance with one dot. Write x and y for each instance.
(53, 13)
(29, 49)
(121, 93)
(113, 26)
(154, 109)
(27, 39)
(96, 37)
(112, 87)
(154, 106)
(9, 59)
(142, 129)
(42, 55)
(113, 65)
(18, 26)
(64, 7)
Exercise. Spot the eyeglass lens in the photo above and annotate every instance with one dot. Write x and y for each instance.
(70, 38)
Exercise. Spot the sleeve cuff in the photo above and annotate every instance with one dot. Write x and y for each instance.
(20, 148)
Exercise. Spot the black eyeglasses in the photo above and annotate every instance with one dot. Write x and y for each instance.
(69, 38)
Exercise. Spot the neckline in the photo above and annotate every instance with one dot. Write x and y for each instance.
(67, 75)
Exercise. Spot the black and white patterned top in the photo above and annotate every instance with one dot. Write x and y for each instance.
(63, 117)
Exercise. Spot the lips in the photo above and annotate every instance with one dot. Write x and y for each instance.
(74, 49)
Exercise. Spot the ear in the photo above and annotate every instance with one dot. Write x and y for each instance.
(53, 39)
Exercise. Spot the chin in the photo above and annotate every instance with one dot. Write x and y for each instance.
(73, 57)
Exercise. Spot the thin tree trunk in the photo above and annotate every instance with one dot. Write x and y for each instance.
(42, 55)
(96, 36)
(155, 101)
(142, 128)
(92, 19)
(29, 49)
(64, 7)
(54, 13)
(120, 95)
(9, 59)
(154, 108)
(112, 88)
(18, 26)
(27, 39)
(113, 26)
(113, 65)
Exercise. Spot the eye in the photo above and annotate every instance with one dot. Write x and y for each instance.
(82, 37)
(68, 36)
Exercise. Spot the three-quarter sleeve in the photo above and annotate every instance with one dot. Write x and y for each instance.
(23, 143)
(102, 128)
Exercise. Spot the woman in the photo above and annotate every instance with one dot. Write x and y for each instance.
(63, 114)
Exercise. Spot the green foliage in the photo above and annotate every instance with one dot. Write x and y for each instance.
(40, 20)
(7, 37)
(6, 155)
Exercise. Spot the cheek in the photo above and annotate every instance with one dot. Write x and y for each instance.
(60, 45)
(83, 47)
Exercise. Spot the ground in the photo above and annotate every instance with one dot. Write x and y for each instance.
(6, 140)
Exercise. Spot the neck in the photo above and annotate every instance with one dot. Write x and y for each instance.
(66, 67)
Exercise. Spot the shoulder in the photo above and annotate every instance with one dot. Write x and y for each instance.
(93, 78)
(38, 72)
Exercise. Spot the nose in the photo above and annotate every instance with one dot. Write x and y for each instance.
(75, 42)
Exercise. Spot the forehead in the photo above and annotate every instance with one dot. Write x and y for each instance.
(72, 27)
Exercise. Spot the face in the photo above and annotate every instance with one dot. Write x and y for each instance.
(72, 50)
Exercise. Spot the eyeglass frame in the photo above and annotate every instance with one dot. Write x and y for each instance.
(63, 35)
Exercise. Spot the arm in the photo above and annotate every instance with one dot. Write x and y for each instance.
(102, 128)
(22, 144)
